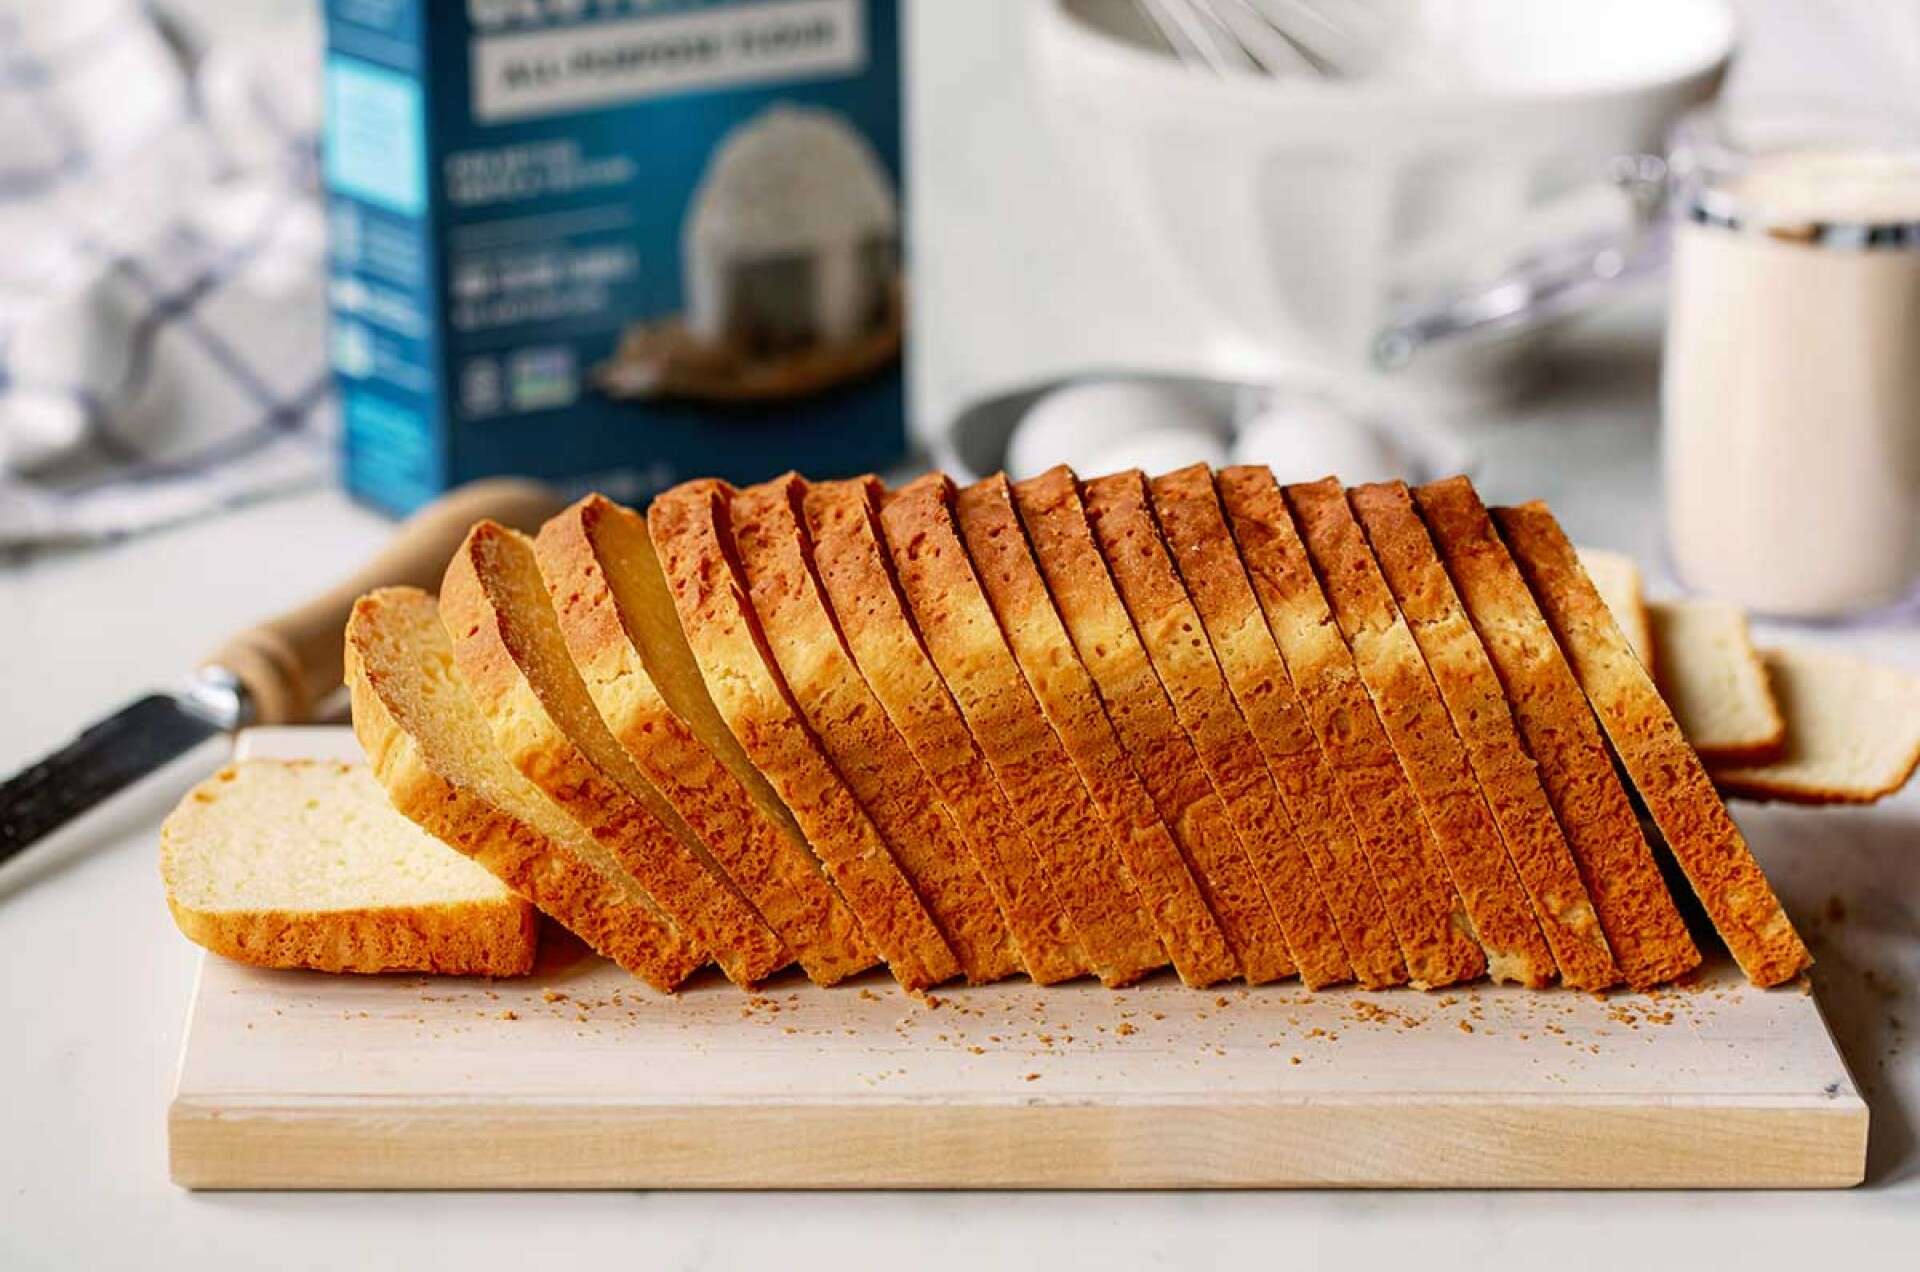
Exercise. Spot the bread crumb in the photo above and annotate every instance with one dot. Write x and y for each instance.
(1466, 1027)
(509, 1015)
(1033, 1077)
(1125, 1030)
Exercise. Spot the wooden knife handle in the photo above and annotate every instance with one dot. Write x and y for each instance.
(289, 664)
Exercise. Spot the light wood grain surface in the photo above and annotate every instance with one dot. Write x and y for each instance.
(581, 1077)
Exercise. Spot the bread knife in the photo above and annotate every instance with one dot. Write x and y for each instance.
(278, 672)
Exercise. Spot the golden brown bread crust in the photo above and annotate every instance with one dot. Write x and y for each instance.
(384, 638)
(1420, 898)
(1669, 776)
(951, 610)
(843, 521)
(581, 551)
(1104, 637)
(854, 730)
(1187, 927)
(1415, 718)
(1196, 532)
(689, 525)
(496, 647)
(1478, 708)
(1120, 515)
(1643, 928)
(469, 938)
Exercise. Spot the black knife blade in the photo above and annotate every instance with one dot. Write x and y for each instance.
(140, 738)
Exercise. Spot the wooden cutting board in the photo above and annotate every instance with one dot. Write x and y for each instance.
(580, 1077)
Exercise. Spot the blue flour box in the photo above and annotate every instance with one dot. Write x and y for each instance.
(624, 242)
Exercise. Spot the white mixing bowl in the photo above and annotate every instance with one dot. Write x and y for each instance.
(1312, 212)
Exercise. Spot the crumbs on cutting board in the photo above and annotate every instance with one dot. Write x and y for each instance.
(1298, 1028)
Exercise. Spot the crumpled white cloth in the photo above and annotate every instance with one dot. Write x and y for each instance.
(163, 345)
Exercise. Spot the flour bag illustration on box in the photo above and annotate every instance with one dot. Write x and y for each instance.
(621, 242)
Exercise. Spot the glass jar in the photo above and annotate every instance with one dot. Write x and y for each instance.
(1791, 383)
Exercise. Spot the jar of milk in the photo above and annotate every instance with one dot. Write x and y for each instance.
(1791, 388)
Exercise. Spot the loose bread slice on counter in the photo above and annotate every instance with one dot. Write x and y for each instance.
(854, 730)
(617, 616)
(1853, 732)
(1477, 705)
(1435, 937)
(1415, 716)
(964, 638)
(1120, 515)
(1162, 754)
(431, 748)
(1669, 776)
(304, 864)
(690, 531)
(1644, 930)
(1624, 589)
(1196, 532)
(1712, 677)
(508, 646)
(843, 521)
(1015, 588)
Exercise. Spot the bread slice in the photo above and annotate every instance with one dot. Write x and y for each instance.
(1478, 708)
(964, 639)
(303, 863)
(1853, 732)
(1435, 938)
(1712, 677)
(1196, 533)
(1624, 589)
(1669, 776)
(1162, 755)
(432, 750)
(690, 531)
(1120, 515)
(1644, 931)
(1188, 928)
(843, 521)
(508, 646)
(620, 627)
(1415, 716)
(854, 730)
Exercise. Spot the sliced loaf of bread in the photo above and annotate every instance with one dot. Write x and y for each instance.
(690, 528)
(1120, 515)
(621, 629)
(1664, 768)
(854, 730)
(1196, 533)
(843, 522)
(304, 864)
(431, 748)
(507, 643)
(1477, 705)
(950, 607)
